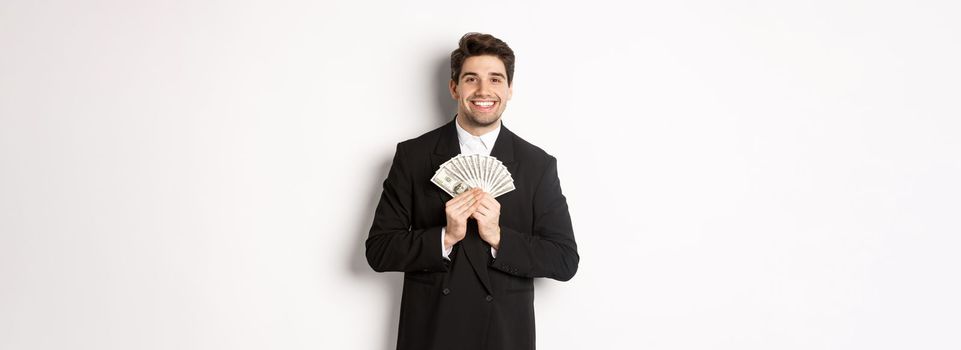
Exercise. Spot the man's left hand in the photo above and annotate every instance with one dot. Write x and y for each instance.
(488, 216)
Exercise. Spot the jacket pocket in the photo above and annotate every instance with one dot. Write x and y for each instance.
(519, 285)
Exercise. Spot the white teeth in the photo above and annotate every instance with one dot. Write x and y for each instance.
(484, 103)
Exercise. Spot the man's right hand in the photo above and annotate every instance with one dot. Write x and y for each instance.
(458, 210)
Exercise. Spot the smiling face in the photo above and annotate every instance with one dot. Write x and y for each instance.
(481, 92)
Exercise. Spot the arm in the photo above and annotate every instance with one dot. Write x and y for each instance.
(391, 244)
(550, 250)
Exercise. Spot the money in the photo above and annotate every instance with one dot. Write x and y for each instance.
(465, 172)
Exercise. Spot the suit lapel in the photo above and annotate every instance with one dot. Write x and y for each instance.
(504, 149)
(447, 147)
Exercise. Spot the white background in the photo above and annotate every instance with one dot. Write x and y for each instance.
(741, 174)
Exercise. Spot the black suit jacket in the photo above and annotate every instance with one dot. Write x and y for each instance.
(471, 301)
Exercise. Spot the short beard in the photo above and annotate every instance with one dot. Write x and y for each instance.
(474, 122)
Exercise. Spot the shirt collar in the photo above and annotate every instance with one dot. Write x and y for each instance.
(487, 139)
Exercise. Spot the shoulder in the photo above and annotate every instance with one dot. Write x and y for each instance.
(424, 142)
(530, 153)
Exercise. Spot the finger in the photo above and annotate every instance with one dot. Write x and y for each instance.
(467, 203)
(489, 198)
(480, 217)
(490, 203)
(467, 210)
(463, 202)
(486, 202)
(469, 193)
(482, 212)
(474, 206)
(459, 198)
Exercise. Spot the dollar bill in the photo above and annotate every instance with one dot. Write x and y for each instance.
(464, 172)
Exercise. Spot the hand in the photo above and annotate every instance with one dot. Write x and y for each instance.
(488, 215)
(458, 210)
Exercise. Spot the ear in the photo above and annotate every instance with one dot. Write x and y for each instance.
(453, 90)
(510, 90)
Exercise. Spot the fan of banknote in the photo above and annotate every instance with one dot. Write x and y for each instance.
(465, 172)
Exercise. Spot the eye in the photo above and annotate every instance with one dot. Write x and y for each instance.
(496, 80)
(469, 79)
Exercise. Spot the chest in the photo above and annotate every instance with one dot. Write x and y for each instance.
(429, 201)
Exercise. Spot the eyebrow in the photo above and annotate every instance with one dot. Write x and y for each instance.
(462, 75)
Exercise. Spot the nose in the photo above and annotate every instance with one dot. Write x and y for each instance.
(483, 88)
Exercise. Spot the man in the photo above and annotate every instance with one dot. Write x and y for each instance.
(469, 261)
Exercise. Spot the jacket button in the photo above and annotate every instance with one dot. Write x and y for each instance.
(446, 291)
(489, 298)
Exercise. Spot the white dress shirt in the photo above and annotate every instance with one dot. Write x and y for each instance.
(470, 144)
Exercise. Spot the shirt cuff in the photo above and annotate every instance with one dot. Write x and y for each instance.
(444, 252)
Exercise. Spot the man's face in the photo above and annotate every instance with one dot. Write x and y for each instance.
(481, 91)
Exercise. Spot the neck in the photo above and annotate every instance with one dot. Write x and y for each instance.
(474, 129)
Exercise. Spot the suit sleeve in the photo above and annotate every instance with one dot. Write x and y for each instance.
(550, 250)
(392, 245)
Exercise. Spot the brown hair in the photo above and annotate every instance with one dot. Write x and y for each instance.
(478, 44)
